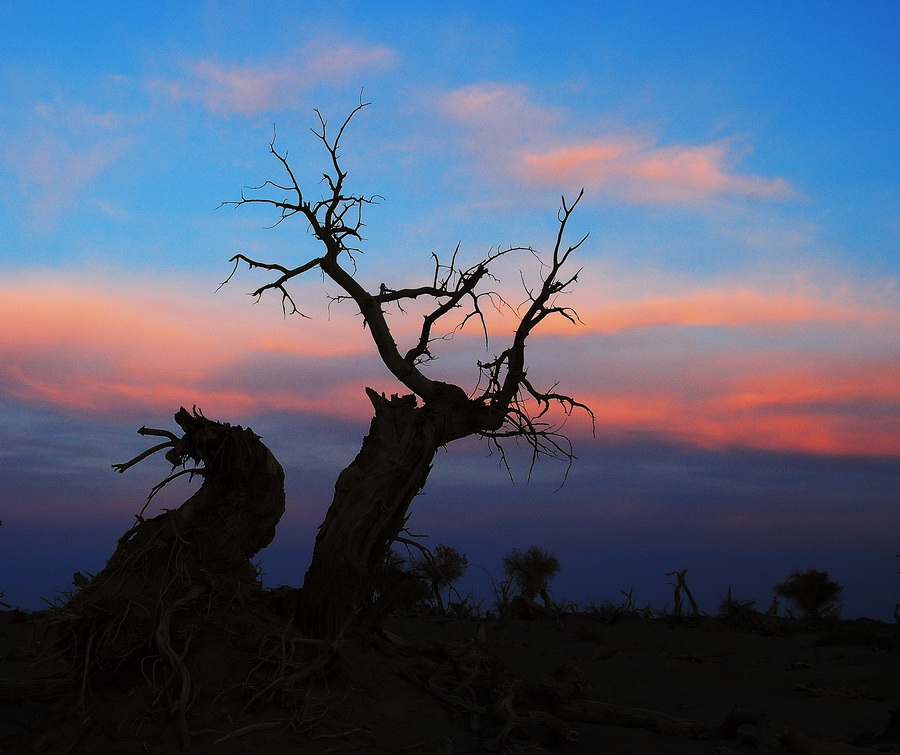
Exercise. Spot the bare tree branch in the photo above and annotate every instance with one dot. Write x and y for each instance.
(507, 402)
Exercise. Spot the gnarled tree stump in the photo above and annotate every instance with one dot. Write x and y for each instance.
(203, 547)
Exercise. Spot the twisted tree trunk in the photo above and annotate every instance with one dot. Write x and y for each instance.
(373, 494)
(205, 545)
(371, 499)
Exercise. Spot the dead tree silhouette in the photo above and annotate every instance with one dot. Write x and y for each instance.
(128, 616)
(373, 494)
(205, 545)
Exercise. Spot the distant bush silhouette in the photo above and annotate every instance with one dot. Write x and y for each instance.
(532, 570)
(738, 612)
(440, 570)
(4, 605)
(609, 612)
(812, 592)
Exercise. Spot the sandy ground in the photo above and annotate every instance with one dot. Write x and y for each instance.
(440, 685)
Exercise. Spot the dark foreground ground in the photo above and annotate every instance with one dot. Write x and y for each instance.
(430, 685)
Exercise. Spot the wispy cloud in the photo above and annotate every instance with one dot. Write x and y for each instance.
(826, 408)
(772, 364)
(327, 61)
(227, 89)
(732, 307)
(78, 117)
(639, 171)
(84, 346)
(59, 149)
(610, 300)
(53, 172)
(495, 115)
(509, 132)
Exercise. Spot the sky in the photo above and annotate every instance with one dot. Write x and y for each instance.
(739, 340)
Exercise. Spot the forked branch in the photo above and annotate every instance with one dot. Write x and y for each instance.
(506, 402)
(505, 379)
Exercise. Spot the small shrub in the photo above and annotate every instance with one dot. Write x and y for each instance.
(440, 570)
(503, 597)
(813, 593)
(609, 612)
(738, 612)
(532, 570)
(466, 608)
(5, 605)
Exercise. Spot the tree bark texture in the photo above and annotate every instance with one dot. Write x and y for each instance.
(371, 499)
(373, 494)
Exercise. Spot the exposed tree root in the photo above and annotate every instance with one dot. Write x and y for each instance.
(467, 678)
(163, 597)
(798, 743)
(36, 690)
(595, 711)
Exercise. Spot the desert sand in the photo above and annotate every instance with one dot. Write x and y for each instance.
(435, 684)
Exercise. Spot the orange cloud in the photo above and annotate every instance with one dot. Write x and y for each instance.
(508, 131)
(764, 304)
(639, 172)
(824, 403)
(796, 412)
(823, 408)
(727, 307)
(90, 348)
(95, 347)
(770, 365)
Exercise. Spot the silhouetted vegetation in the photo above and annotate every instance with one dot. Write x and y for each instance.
(738, 612)
(5, 605)
(812, 593)
(162, 599)
(610, 612)
(682, 591)
(532, 570)
(373, 494)
(179, 616)
(897, 607)
(440, 569)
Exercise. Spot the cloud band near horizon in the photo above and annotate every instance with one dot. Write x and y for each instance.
(712, 367)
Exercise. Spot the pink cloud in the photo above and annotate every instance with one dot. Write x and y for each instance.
(85, 347)
(636, 171)
(329, 61)
(790, 369)
(497, 119)
(247, 89)
(53, 171)
(508, 131)
(89, 346)
(729, 307)
(823, 406)
(610, 302)
(243, 89)
(800, 409)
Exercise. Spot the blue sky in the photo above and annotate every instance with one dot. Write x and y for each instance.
(739, 293)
